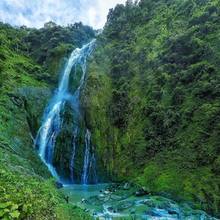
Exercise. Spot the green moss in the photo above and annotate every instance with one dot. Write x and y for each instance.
(152, 98)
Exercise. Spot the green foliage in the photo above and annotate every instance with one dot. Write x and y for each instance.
(160, 60)
(27, 198)
(31, 197)
(50, 44)
(9, 211)
(26, 192)
(71, 212)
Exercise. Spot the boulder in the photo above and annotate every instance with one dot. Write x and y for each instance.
(173, 212)
(141, 192)
(132, 211)
(127, 186)
(59, 185)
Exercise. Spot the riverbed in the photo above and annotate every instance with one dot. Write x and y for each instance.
(106, 202)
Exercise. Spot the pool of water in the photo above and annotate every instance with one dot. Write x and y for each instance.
(106, 202)
(78, 193)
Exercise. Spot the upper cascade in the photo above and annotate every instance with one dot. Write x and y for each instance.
(53, 120)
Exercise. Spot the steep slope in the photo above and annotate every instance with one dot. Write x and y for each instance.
(152, 98)
(26, 192)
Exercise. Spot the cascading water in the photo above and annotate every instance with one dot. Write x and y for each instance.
(72, 159)
(52, 120)
(89, 159)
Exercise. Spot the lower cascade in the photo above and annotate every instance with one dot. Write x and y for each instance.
(89, 159)
(70, 158)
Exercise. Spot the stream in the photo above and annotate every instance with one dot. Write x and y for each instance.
(123, 201)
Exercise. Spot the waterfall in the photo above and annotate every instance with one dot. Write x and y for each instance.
(72, 159)
(86, 157)
(52, 120)
(89, 166)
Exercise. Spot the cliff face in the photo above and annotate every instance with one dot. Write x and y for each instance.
(152, 98)
(27, 78)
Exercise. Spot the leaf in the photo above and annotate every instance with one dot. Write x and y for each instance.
(25, 208)
(2, 213)
(5, 205)
(6, 210)
(14, 207)
(15, 214)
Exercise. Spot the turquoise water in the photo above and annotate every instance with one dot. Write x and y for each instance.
(106, 202)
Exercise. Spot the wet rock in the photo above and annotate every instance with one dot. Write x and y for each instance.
(127, 186)
(58, 185)
(163, 205)
(107, 216)
(113, 188)
(173, 212)
(84, 201)
(111, 209)
(67, 199)
(103, 197)
(106, 192)
(132, 211)
(125, 205)
(154, 213)
(141, 192)
(94, 200)
(116, 197)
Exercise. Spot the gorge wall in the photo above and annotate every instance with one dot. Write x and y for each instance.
(152, 98)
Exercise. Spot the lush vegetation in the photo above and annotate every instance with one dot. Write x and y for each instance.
(26, 190)
(152, 102)
(152, 98)
(50, 44)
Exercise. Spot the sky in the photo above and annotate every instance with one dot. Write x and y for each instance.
(34, 13)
